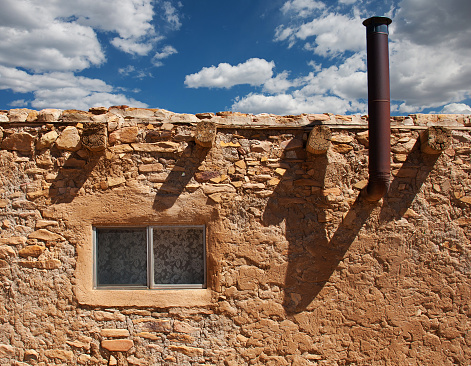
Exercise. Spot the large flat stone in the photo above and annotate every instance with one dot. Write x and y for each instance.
(45, 235)
(63, 355)
(154, 325)
(14, 240)
(21, 141)
(162, 147)
(46, 264)
(117, 345)
(31, 251)
(114, 333)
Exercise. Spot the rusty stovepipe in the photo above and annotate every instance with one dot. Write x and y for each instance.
(378, 107)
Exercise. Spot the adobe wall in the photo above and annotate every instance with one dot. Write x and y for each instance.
(300, 269)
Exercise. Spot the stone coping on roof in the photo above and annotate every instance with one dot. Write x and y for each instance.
(120, 114)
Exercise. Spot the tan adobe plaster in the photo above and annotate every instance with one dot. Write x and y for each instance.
(122, 207)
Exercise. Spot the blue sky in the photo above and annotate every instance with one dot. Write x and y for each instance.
(265, 56)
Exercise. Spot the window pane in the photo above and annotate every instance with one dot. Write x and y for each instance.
(178, 255)
(121, 256)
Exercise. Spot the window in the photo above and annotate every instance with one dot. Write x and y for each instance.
(149, 257)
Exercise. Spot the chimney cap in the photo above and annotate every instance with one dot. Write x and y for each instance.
(377, 21)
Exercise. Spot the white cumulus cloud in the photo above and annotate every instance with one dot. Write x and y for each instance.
(254, 71)
(286, 104)
(79, 98)
(302, 8)
(166, 52)
(456, 108)
(44, 42)
(429, 52)
(280, 83)
(331, 33)
(430, 45)
(54, 46)
(171, 15)
(63, 90)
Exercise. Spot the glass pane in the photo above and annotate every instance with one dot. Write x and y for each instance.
(121, 256)
(178, 255)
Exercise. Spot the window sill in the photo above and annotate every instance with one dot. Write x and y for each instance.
(161, 298)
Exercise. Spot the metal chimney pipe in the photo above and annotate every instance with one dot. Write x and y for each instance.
(378, 107)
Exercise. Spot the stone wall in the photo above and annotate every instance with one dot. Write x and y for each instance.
(301, 270)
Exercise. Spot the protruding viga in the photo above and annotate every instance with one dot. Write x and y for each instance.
(205, 133)
(94, 136)
(319, 140)
(435, 139)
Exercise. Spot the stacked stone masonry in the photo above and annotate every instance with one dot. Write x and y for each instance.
(300, 269)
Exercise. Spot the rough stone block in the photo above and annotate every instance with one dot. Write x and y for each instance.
(154, 325)
(45, 235)
(205, 176)
(253, 186)
(47, 140)
(19, 115)
(83, 359)
(184, 338)
(158, 177)
(261, 147)
(49, 115)
(363, 138)
(23, 204)
(74, 115)
(183, 327)
(342, 138)
(125, 135)
(31, 251)
(218, 188)
(121, 149)
(189, 351)
(342, 148)
(113, 182)
(21, 141)
(112, 361)
(107, 316)
(69, 139)
(79, 344)
(14, 240)
(117, 345)
(240, 164)
(46, 264)
(114, 333)
(63, 355)
(6, 252)
(150, 168)
(158, 147)
(148, 335)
